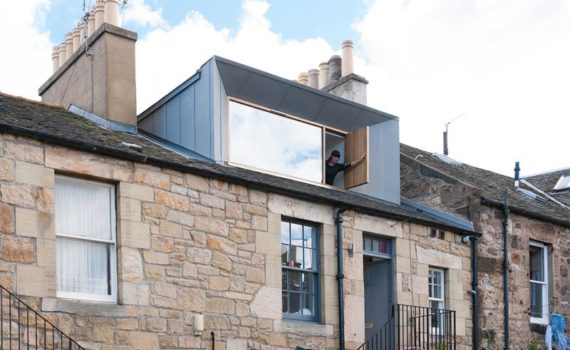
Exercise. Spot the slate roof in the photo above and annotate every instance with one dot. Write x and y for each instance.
(547, 181)
(492, 187)
(56, 125)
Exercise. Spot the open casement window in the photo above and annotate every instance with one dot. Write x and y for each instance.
(538, 263)
(85, 239)
(356, 144)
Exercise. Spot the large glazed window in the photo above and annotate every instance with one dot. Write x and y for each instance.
(300, 270)
(85, 239)
(436, 282)
(275, 143)
(538, 283)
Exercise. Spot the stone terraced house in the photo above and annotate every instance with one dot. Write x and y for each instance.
(170, 230)
(537, 236)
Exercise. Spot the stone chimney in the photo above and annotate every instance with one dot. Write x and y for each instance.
(100, 76)
(343, 82)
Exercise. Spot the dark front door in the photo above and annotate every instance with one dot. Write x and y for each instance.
(377, 293)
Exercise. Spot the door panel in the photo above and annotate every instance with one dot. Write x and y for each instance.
(377, 294)
(356, 144)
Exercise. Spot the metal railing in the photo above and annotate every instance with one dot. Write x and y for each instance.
(415, 328)
(21, 327)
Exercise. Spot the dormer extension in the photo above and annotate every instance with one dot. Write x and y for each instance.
(240, 116)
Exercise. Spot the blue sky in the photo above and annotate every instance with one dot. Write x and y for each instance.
(504, 63)
(294, 19)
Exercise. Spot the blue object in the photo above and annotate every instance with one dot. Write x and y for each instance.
(558, 324)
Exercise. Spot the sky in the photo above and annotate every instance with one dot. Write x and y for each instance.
(504, 65)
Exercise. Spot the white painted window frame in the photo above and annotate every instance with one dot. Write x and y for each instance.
(545, 295)
(113, 251)
(441, 301)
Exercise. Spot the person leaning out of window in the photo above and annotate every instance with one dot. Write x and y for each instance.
(333, 167)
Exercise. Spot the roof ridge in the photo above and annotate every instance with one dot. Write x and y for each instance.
(26, 99)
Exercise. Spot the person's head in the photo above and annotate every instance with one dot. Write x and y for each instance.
(335, 156)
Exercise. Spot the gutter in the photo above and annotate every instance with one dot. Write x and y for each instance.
(528, 213)
(102, 150)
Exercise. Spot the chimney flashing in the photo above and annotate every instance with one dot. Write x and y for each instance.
(106, 27)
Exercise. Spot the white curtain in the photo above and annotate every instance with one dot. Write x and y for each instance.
(83, 210)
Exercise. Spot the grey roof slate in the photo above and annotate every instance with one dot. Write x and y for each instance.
(547, 181)
(55, 125)
(492, 187)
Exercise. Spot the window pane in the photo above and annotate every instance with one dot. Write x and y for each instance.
(83, 209)
(296, 257)
(82, 266)
(285, 255)
(294, 303)
(272, 142)
(367, 244)
(310, 258)
(285, 301)
(285, 232)
(308, 235)
(536, 262)
(536, 298)
(297, 235)
(308, 304)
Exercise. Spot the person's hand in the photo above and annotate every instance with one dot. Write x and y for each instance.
(363, 156)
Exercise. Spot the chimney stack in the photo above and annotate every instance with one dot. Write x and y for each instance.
(323, 75)
(101, 80)
(99, 13)
(303, 78)
(347, 64)
(343, 82)
(314, 78)
(112, 12)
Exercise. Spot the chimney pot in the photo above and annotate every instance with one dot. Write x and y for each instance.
(347, 58)
(314, 78)
(303, 78)
(76, 36)
(55, 58)
(323, 75)
(99, 14)
(82, 32)
(62, 54)
(91, 23)
(335, 68)
(68, 45)
(112, 12)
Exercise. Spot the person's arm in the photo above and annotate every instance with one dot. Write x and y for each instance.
(356, 162)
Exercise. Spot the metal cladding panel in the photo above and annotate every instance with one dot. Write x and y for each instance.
(233, 78)
(159, 117)
(173, 120)
(341, 115)
(147, 125)
(262, 90)
(187, 118)
(203, 121)
(298, 102)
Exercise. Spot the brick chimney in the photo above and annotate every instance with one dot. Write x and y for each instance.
(100, 76)
(346, 83)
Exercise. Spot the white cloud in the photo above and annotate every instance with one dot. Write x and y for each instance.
(168, 56)
(504, 63)
(139, 13)
(25, 62)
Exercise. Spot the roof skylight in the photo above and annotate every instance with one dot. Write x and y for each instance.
(448, 160)
(563, 183)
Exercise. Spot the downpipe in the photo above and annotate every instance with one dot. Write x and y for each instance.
(506, 212)
(340, 276)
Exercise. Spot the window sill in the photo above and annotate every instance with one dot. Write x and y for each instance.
(304, 328)
(85, 308)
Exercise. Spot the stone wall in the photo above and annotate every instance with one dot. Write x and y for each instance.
(188, 245)
(453, 196)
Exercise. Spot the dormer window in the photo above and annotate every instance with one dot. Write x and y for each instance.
(286, 145)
